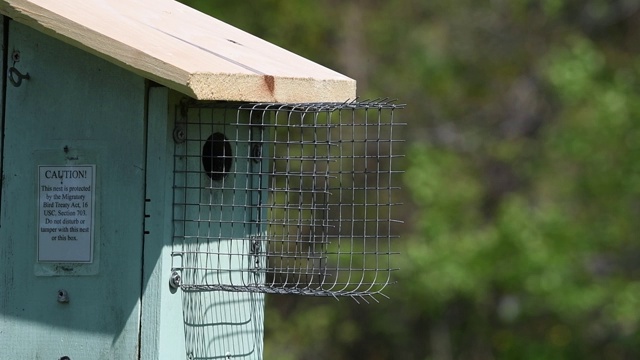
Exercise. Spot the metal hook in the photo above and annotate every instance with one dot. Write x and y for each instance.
(13, 72)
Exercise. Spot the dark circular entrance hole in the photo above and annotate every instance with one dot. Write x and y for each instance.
(216, 156)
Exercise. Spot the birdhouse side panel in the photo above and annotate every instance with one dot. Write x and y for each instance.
(72, 203)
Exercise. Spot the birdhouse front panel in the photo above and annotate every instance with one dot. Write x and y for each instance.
(218, 189)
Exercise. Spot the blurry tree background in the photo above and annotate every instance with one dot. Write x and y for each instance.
(522, 184)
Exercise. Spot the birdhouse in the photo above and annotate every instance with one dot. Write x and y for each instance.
(162, 171)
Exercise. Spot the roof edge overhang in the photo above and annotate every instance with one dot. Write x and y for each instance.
(183, 49)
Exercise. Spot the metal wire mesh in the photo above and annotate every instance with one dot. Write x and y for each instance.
(285, 198)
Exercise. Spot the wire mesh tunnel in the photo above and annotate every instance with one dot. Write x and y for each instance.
(285, 198)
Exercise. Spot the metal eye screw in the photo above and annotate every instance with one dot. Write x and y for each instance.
(16, 77)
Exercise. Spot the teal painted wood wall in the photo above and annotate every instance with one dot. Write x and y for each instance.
(96, 111)
(79, 109)
(218, 231)
(196, 325)
(162, 326)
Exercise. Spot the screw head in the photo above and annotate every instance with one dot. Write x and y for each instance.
(63, 296)
(174, 280)
(179, 135)
(256, 152)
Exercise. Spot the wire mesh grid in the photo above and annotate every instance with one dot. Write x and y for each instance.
(285, 198)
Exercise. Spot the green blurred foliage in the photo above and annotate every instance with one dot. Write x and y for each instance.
(522, 183)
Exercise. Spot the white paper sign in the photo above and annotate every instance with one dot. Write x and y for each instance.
(66, 208)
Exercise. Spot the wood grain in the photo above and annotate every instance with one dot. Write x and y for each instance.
(183, 49)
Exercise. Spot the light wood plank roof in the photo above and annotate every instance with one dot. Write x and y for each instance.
(183, 49)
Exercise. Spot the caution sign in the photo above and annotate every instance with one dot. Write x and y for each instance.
(65, 213)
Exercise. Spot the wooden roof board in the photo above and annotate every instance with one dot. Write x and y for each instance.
(183, 49)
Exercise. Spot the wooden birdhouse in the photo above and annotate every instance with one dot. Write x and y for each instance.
(162, 171)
